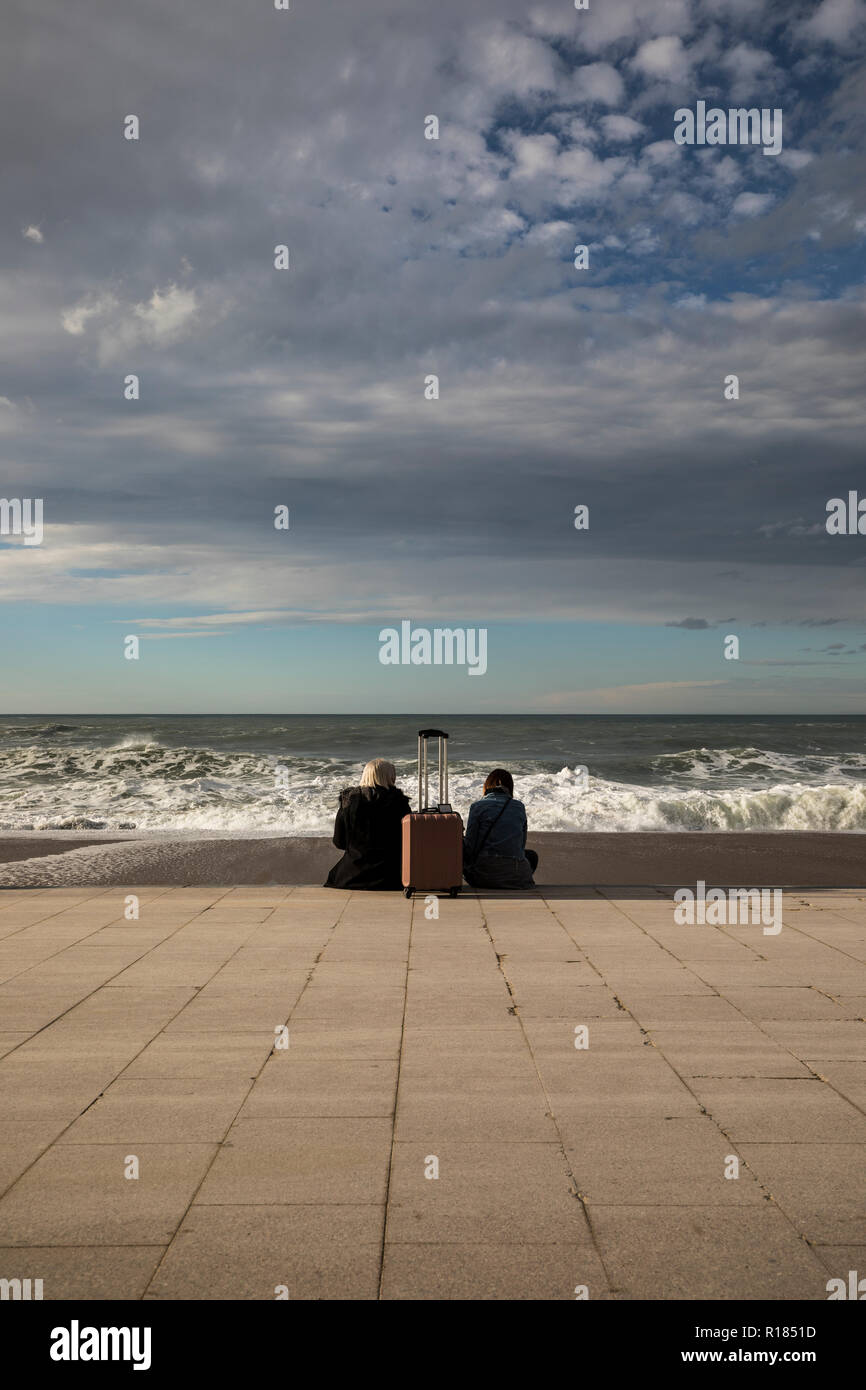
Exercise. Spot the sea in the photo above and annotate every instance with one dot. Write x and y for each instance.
(281, 774)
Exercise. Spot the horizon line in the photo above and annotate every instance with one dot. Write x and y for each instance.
(447, 714)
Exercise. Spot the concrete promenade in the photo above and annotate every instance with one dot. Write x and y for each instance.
(417, 1046)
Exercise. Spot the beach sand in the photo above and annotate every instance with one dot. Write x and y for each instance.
(808, 859)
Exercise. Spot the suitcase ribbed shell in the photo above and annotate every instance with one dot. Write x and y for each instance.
(432, 851)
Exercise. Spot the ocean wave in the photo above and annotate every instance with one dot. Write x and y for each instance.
(149, 787)
(756, 765)
(618, 806)
(41, 730)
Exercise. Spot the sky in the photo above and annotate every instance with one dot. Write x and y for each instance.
(306, 388)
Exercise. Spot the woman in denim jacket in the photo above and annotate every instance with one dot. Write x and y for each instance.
(494, 846)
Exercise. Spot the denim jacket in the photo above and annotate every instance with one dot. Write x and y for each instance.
(507, 839)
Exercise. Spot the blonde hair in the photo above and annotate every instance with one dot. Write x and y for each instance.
(379, 773)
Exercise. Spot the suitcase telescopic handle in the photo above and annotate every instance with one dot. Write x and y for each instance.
(423, 770)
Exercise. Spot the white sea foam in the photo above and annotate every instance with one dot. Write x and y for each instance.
(139, 783)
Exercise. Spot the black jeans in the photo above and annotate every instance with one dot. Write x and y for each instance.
(533, 859)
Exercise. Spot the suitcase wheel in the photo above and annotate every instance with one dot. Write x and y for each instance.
(407, 892)
(452, 892)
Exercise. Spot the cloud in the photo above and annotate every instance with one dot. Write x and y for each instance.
(533, 154)
(75, 319)
(664, 59)
(686, 209)
(752, 204)
(726, 171)
(165, 317)
(563, 176)
(596, 83)
(550, 234)
(749, 70)
(795, 160)
(507, 61)
(800, 527)
(636, 695)
(170, 636)
(618, 22)
(575, 129)
(834, 22)
(557, 386)
(32, 233)
(662, 152)
(166, 314)
(193, 622)
(621, 128)
(693, 624)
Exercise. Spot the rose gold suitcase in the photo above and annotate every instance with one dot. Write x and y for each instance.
(432, 835)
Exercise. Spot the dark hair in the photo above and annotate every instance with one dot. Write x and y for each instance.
(499, 778)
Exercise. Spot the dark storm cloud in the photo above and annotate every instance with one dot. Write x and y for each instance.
(306, 388)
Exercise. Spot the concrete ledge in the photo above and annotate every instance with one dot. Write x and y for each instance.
(783, 859)
(757, 859)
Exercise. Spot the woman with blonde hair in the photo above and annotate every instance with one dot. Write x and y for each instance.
(368, 830)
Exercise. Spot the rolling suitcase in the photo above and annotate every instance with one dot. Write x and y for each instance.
(432, 835)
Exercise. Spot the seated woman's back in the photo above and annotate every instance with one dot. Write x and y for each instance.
(502, 819)
(494, 846)
(368, 828)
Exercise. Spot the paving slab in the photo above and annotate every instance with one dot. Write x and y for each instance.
(417, 1045)
(484, 1192)
(484, 1272)
(589, 1088)
(821, 1187)
(336, 1039)
(674, 1162)
(652, 1010)
(724, 1049)
(475, 1114)
(22, 1011)
(780, 1110)
(797, 1003)
(168, 1111)
(834, 1040)
(290, 1087)
(110, 1272)
(205, 1056)
(268, 1252)
(318, 1161)
(79, 1195)
(675, 1252)
(841, 1261)
(24, 1141)
(848, 1078)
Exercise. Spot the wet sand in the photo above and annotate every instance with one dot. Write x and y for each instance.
(23, 846)
(783, 859)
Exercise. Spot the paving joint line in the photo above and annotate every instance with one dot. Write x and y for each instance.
(219, 1143)
(733, 1144)
(575, 1189)
(392, 1148)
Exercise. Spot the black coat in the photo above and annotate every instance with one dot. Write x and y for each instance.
(369, 829)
